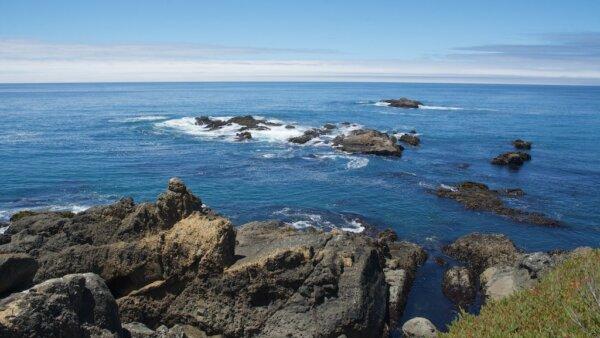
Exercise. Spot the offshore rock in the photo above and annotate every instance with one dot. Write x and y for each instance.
(368, 141)
(478, 196)
(521, 144)
(78, 305)
(513, 159)
(403, 102)
(411, 139)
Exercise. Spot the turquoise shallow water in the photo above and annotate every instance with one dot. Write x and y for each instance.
(70, 146)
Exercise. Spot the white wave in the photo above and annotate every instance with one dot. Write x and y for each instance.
(355, 226)
(3, 229)
(142, 118)
(357, 163)
(426, 185)
(354, 162)
(447, 187)
(302, 224)
(381, 104)
(439, 108)
(74, 208)
(187, 125)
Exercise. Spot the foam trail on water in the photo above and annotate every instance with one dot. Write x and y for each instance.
(139, 119)
(439, 108)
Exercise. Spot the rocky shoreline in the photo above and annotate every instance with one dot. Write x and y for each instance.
(175, 268)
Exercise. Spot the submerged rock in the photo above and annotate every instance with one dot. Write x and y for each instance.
(513, 159)
(77, 305)
(411, 139)
(368, 141)
(419, 327)
(477, 196)
(458, 286)
(245, 135)
(521, 144)
(306, 136)
(403, 103)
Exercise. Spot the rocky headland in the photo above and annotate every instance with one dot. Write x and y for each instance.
(160, 269)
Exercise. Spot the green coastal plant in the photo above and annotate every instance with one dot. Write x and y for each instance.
(566, 303)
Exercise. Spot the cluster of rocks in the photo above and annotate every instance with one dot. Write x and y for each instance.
(246, 123)
(493, 262)
(514, 159)
(403, 102)
(478, 196)
(174, 268)
(313, 133)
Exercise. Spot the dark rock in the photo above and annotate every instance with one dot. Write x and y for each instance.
(458, 285)
(329, 126)
(521, 144)
(16, 271)
(78, 305)
(387, 236)
(477, 196)
(306, 136)
(289, 126)
(513, 159)
(403, 103)
(368, 141)
(482, 251)
(411, 139)
(247, 122)
(245, 135)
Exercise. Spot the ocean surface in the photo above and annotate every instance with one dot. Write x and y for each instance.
(71, 146)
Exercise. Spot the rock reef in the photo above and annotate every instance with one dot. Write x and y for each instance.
(513, 159)
(478, 196)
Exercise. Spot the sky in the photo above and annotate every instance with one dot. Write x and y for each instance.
(546, 42)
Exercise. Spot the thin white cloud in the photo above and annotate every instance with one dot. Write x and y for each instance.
(33, 62)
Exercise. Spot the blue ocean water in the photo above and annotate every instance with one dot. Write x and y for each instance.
(70, 146)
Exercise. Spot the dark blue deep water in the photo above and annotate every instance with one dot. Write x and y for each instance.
(70, 146)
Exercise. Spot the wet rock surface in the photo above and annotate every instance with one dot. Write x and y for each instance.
(478, 196)
(403, 102)
(368, 141)
(176, 269)
(512, 159)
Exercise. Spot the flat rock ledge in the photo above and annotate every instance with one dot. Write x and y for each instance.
(479, 197)
(174, 268)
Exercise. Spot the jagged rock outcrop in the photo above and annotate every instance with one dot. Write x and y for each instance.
(478, 196)
(16, 271)
(403, 102)
(313, 133)
(521, 144)
(77, 305)
(368, 141)
(458, 285)
(513, 159)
